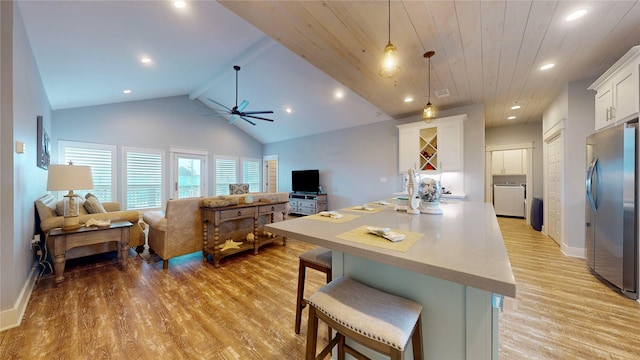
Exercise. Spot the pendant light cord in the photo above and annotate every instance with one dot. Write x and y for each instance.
(429, 88)
(389, 18)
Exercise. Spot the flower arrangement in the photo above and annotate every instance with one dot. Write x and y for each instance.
(429, 189)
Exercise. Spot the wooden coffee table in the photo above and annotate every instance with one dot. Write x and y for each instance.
(59, 241)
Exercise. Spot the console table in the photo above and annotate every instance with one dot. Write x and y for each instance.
(307, 204)
(241, 220)
(59, 241)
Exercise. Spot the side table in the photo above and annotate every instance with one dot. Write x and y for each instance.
(60, 241)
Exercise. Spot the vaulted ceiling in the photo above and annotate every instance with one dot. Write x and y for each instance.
(297, 54)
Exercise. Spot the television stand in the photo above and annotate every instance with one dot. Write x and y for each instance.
(307, 203)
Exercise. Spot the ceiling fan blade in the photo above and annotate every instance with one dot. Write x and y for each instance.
(217, 103)
(215, 115)
(247, 120)
(257, 117)
(242, 105)
(232, 119)
(258, 112)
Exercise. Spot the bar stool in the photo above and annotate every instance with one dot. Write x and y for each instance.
(318, 259)
(375, 319)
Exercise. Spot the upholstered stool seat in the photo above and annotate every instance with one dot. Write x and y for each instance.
(318, 259)
(375, 319)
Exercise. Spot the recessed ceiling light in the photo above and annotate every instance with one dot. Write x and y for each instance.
(576, 15)
(339, 94)
(288, 110)
(547, 66)
(408, 99)
(179, 4)
(145, 60)
(127, 91)
(511, 117)
(515, 107)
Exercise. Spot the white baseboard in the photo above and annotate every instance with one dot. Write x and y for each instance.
(13, 317)
(573, 251)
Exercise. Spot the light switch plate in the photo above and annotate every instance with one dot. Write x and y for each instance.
(20, 147)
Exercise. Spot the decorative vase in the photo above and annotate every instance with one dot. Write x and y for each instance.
(430, 207)
(430, 193)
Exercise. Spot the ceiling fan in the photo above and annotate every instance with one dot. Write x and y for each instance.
(239, 109)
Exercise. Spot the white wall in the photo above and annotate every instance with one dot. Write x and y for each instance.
(23, 98)
(353, 161)
(525, 133)
(572, 115)
(154, 124)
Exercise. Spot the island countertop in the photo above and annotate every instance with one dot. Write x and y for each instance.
(464, 245)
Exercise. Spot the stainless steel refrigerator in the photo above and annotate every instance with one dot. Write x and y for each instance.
(611, 207)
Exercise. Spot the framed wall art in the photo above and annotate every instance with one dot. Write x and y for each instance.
(43, 145)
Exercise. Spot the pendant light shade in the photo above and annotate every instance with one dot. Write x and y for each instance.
(429, 112)
(390, 62)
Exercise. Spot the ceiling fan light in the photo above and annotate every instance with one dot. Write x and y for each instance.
(429, 112)
(390, 63)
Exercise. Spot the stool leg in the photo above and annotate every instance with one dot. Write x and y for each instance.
(312, 334)
(300, 299)
(329, 277)
(341, 355)
(416, 340)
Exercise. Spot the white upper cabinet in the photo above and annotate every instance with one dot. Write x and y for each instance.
(434, 146)
(617, 91)
(508, 162)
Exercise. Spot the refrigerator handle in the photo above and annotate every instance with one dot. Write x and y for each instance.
(589, 184)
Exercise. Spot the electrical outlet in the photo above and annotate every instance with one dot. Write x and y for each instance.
(34, 240)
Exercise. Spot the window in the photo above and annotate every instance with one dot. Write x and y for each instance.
(100, 157)
(226, 173)
(251, 173)
(143, 178)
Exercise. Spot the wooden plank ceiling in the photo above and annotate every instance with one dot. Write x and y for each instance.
(486, 52)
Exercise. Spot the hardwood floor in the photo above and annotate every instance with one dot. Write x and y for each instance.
(561, 311)
(245, 309)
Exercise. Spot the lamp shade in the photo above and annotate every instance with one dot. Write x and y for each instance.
(69, 177)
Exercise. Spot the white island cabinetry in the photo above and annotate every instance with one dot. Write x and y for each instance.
(456, 269)
(433, 146)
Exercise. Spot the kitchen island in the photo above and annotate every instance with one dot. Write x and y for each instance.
(456, 266)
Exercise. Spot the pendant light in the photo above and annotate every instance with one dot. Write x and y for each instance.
(429, 112)
(390, 62)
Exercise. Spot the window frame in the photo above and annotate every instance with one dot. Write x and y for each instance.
(62, 159)
(163, 158)
(258, 167)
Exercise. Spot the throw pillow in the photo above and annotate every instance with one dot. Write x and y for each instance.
(235, 189)
(93, 205)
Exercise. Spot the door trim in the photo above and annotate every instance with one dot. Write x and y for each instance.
(176, 151)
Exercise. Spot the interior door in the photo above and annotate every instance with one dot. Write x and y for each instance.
(188, 175)
(270, 173)
(555, 189)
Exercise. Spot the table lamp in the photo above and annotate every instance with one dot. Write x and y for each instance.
(69, 177)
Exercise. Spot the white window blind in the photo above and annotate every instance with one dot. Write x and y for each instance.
(251, 174)
(144, 171)
(226, 173)
(101, 158)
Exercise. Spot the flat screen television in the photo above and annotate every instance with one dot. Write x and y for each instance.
(305, 181)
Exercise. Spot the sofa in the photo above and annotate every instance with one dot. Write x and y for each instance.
(177, 230)
(47, 218)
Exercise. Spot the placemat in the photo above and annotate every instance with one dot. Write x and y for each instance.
(374, 209)
(362, 235)
(344, 219)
